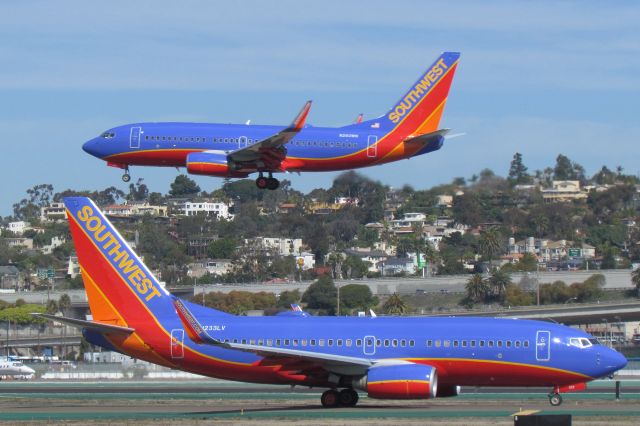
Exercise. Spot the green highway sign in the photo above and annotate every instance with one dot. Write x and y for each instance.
(574, 252)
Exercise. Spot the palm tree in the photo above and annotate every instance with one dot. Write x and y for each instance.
(490, 243)
(477, 288)
(394, 305)
(500, 280)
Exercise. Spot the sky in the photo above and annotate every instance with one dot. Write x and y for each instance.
(539, 78)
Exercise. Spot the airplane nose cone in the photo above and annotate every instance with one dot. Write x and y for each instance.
(619, 361)
(91, 147)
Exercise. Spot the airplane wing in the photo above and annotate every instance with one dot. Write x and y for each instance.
(89, 325)
(328, 361)
(270, 150)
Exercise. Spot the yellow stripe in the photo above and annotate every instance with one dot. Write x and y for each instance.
(398, 381)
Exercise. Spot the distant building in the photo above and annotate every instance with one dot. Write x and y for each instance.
(397, 266)
(281, 246)
(207, 208)
(20, 242)
(54, 212)
(373, 257)
(444, 201)
(10, 277)
(563, 190)
(73, 267)
(216, 267)
(56, 241)
(547, 250)
(306, 260)
(17, 227)
(134, 210)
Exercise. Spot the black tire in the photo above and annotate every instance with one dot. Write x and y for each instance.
(126, 177)
(330, 398)
(555, 399)
(273, 184)
(348, 397)
(261, 182)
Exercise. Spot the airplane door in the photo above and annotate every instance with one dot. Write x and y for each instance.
(372, 146)
(242, 142)
(177, 342)
(543, 345)
(369, 347)
(134, 137)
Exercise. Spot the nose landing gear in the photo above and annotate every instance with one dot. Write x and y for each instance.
(126, 177)
(555, 399)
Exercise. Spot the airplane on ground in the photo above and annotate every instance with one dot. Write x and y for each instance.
(9, 367)
(387, 357)
(410, 128)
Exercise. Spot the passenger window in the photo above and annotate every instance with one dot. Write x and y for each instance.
(464, 343)
(321, 342)
(339, 342)
(330, 342)
(412, 343)
(386, 343)
(235, 340)
(499, 343)
(378, 343)
(252, 341)
(269, 342)
(295, 342)
(517, 343)
(437, 343)
(394, 343)
(455, 343)
(277, 342)
(347, 343)
(508, 343)
(260, 342)
(429, 343)
(403, 343)
(312, 342)
(472, 343)
(358, 342)
(490, 343)
(447, 343)
(525, 343)
(481, 343)
(303, 342)
(244, 341)
(286, 342)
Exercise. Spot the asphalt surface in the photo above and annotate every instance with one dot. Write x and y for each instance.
(173, 401)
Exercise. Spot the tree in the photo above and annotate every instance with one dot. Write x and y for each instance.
(64, 303)
(222, 248)
(518, 171)
(635, 278)
(394, 305)
(499, 281)
(138, 192)
(566, 170)
(489, 243)
(478, 289)
(355, 267)
(288, 297)
(357, 297)
(183, 186)
(321, 295)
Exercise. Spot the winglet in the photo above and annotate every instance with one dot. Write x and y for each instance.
(359, 119)
(298, 122)
(191, 325)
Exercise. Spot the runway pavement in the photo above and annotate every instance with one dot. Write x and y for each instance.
(186, 401)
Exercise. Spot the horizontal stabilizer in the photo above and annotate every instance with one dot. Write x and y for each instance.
(428, 137)
(89, 325)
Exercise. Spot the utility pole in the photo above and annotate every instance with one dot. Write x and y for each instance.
(338, 293)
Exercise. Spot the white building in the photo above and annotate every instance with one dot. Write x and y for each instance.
(306, 260)
(17, 227)
(281, 246)
(563, 190)
(73, 267)
(55, 242)
(54, 212)
(208, 208)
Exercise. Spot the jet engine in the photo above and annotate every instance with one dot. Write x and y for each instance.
(445, 391)
(403, 381)
(211, 163)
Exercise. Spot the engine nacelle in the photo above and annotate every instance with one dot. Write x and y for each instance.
(447, 391)
(403, 381)
(208, 163)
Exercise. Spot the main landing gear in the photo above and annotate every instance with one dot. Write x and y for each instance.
(555, 399)
(269, 183)
(344, 398)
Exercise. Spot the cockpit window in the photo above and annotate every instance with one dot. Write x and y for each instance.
(594, 341)
(581, 342)
(108, 135)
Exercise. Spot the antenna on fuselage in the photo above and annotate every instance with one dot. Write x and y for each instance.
(248, 122)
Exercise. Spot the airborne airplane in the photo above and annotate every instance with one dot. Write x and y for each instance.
(386, 357)
(408, 129)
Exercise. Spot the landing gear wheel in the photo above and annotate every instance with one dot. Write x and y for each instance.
(272, 183)
(555, 399)
(126, 177)
(330, 398)
(262, 182)
(348, 398)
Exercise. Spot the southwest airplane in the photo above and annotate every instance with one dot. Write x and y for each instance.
(408, 129)
(386, 357)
